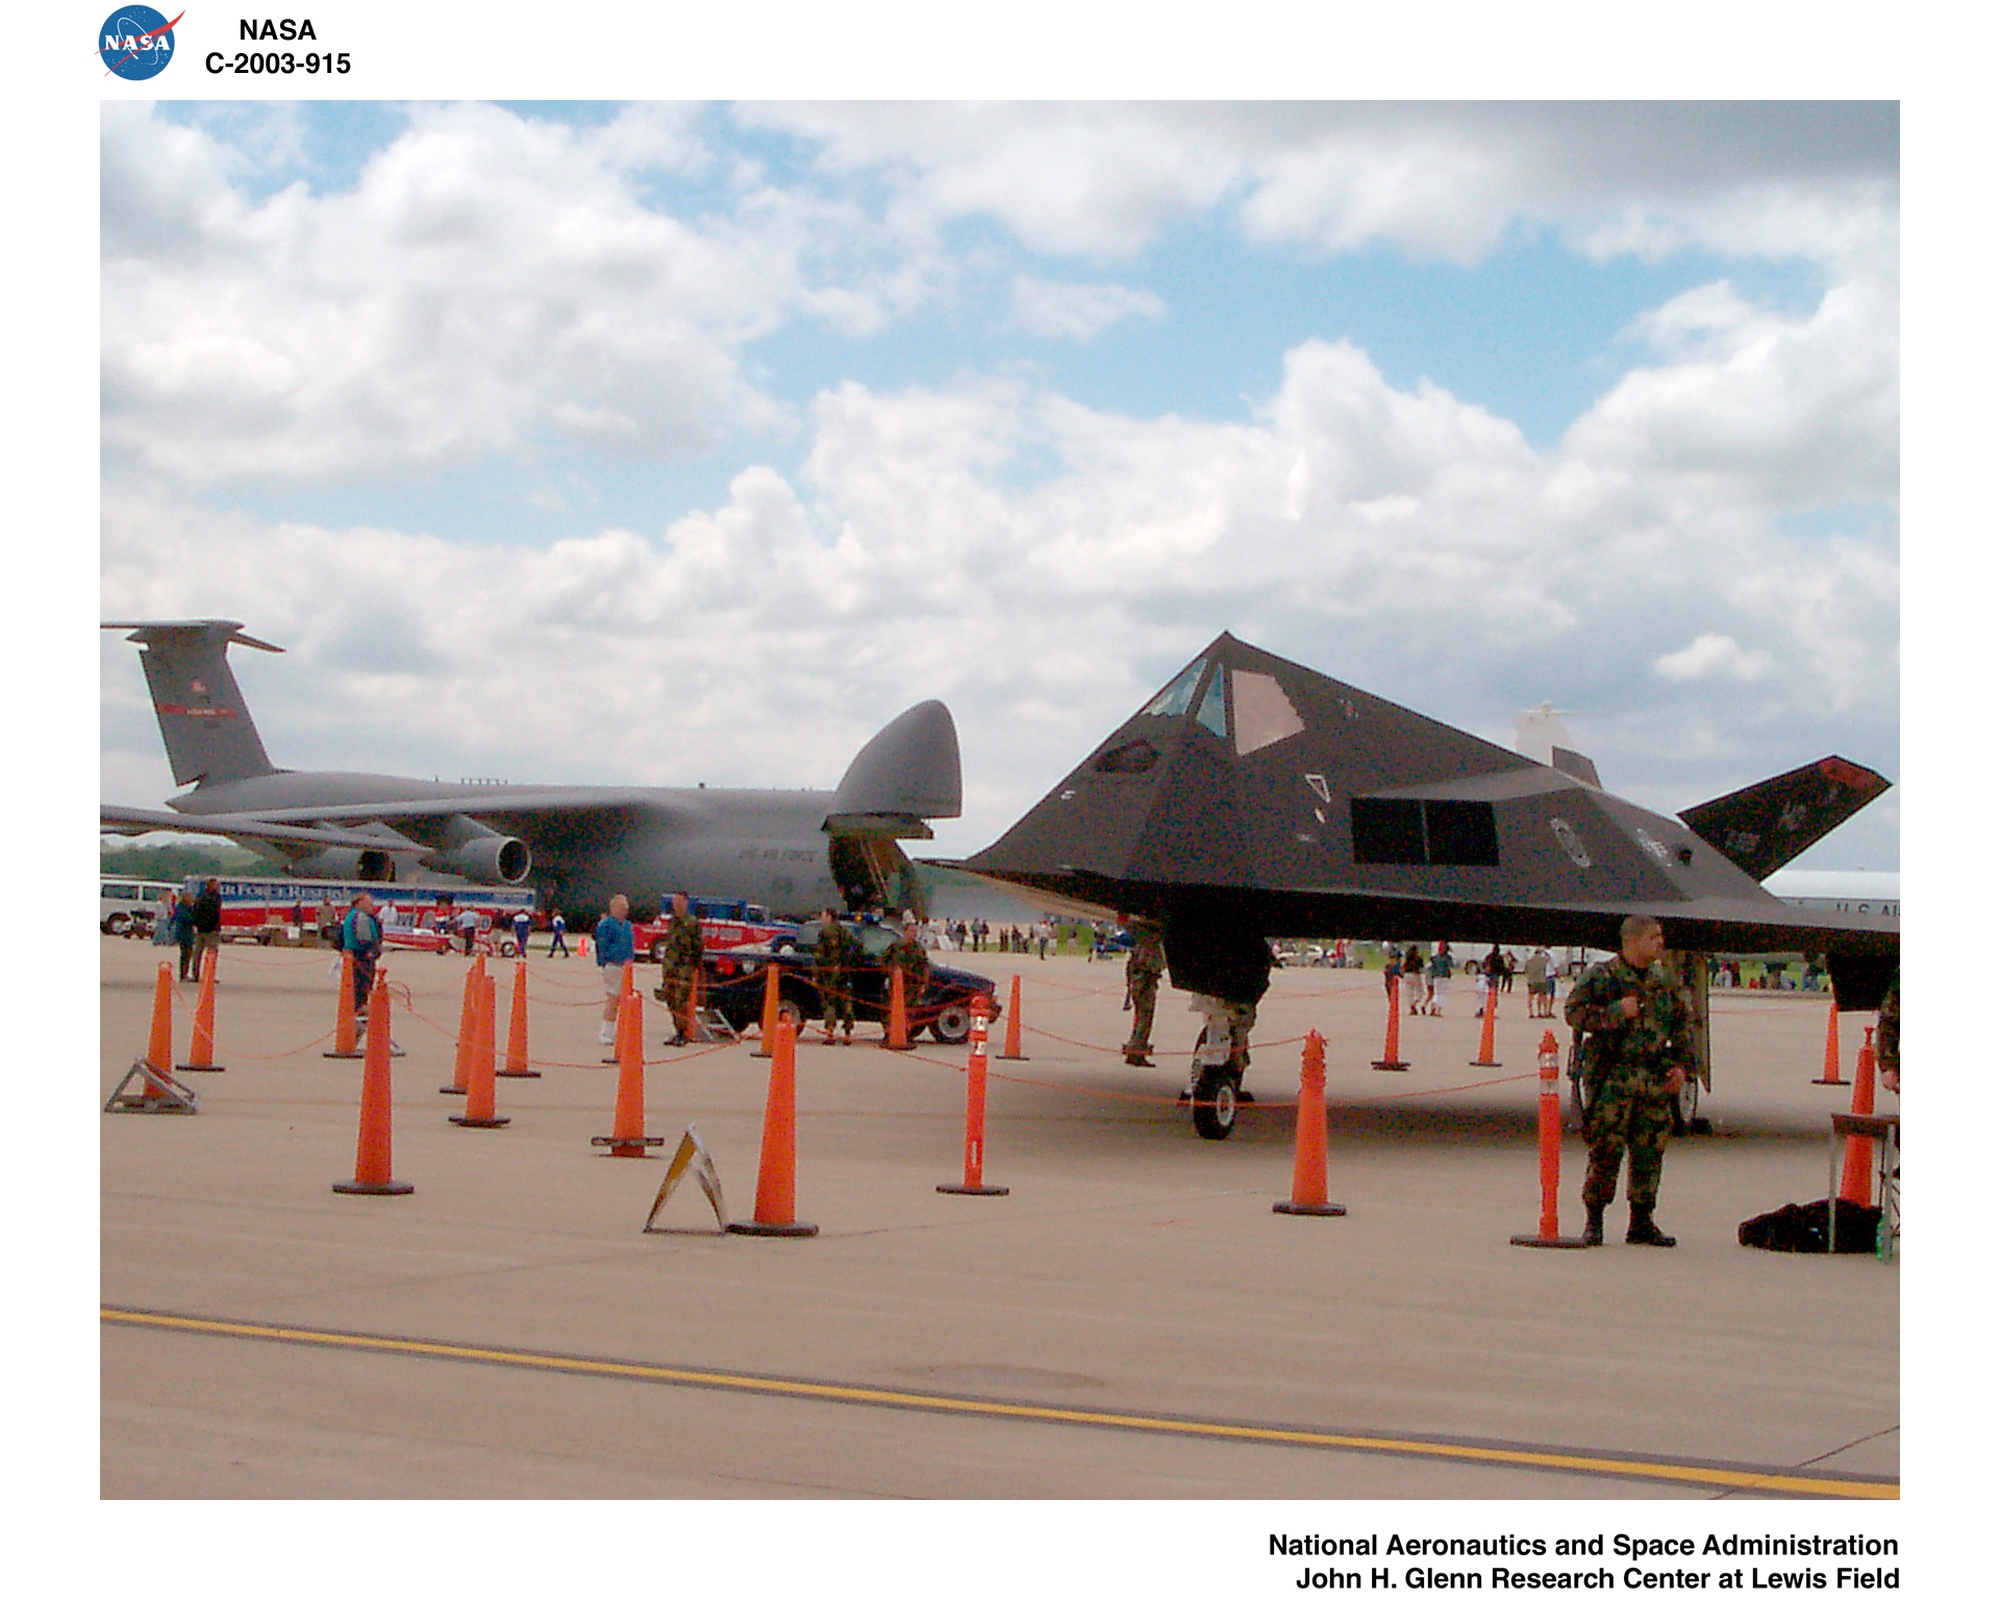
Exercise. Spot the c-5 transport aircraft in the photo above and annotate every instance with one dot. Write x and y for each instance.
(1255, 798)
(794, 851)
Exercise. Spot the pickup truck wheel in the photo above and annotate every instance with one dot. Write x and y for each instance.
(118, 924)
(953, 1025)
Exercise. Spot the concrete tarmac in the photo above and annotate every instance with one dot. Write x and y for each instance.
(1132, 1321)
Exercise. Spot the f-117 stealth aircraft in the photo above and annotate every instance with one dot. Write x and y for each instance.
(1253, 797)
(794, 851)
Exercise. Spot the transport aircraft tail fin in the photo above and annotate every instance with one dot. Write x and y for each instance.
(907, 772)
(1764, 826)
(203, 720)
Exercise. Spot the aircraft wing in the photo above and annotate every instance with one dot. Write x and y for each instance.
(227, 825)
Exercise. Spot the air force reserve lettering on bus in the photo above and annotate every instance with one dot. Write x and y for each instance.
(254, 31)
(136, 42)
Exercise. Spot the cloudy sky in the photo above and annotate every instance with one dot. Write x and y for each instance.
(677, 443)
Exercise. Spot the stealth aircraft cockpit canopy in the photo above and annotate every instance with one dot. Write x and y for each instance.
(1253, 796)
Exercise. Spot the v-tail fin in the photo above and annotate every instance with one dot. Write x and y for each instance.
(1764, 826)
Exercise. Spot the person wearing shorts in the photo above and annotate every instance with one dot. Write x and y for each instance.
(612, 939)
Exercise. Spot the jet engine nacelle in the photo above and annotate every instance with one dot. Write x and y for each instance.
(365, 866)
(473, 850)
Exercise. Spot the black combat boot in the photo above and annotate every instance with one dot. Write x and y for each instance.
(1641, 1230)
(1593, 1224)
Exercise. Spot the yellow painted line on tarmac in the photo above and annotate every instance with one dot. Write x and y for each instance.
(1692, 1474)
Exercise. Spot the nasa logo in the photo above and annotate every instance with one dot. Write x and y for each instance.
(137, 42)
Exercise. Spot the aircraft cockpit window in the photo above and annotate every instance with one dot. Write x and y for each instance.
(1212, 714)
(1178, 695)
(1264, 714)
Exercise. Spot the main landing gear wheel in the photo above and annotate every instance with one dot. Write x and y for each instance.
(1215, 1103)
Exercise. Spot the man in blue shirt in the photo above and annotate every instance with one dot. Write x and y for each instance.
(613, 940)
(361, 937)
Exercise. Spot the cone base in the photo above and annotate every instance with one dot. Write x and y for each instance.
(481, 1122)
(899, 1048)
(522, 1074)
(374, 1188)
(971, 1188)
(345, 1055)
(1534, 1241)
(1292, 1208)
(777, 1230)
(1831, 1083)
(1486, 1063)
(189, 1066)
(1005, 1057)
(1390, 1066)
(625, 1147)
(452, 1088)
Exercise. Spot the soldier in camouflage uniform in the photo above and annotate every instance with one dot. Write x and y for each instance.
(833, 973)
(1638, 1054)
(907, 954)
(1889, 1037)
(679, 949)
(1142, 983)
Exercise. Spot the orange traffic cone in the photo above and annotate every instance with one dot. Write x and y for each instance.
(1392, 1038)
(777, 1165)
(372, 1172)
(1486, 1029)
(479, 1082)
(201, 1047)
(155, 1069)
(628, 1117)
(898, 1027)
(468, 1032)
(1309, 1141)
(1857, 1175)
(767, 1025)
(1011, 1051)
(517, 1028)
(1548, 1130)
(1830, 1072)
(975, 1113)
(343, 1014)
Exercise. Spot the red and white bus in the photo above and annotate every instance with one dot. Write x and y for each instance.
(415, 916)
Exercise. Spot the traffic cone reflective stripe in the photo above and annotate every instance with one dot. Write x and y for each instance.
(1309, 1139)
(1548, 1130)
(975, 1114)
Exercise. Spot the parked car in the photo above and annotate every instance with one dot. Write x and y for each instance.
(733, 984)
